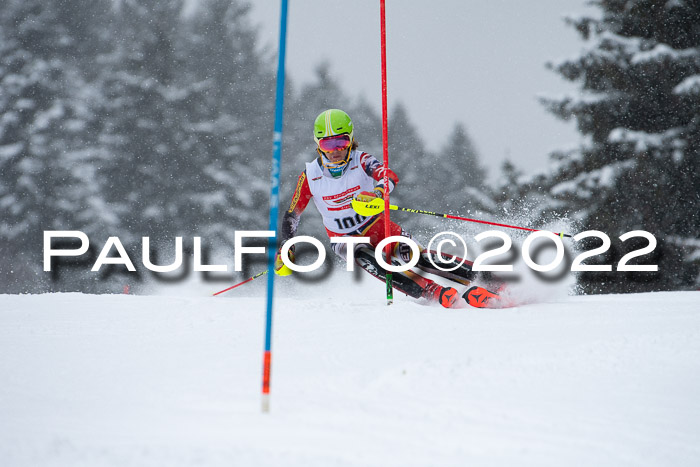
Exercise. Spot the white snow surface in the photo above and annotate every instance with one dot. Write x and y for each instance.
(118, 380)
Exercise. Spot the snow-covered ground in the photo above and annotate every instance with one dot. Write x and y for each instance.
(175, 381)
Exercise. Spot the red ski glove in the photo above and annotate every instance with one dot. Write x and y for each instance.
(378, 175)
(369, 196)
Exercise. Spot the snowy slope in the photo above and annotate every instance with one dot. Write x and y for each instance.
(175, 381)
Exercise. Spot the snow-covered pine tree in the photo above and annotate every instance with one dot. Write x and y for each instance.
(449, 180)
(185, 113)
(46, 141)
(418, 171)
(510, 192)
(463, 178)
(369, 127)
(149, 178)
(230, 122)
(639, 108)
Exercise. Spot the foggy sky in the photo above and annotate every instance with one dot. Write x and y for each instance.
(479, 62)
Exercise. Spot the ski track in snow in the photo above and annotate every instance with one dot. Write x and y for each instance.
(116, 380)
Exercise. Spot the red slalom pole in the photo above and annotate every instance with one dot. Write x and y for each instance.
(241, 283)
(385, 148)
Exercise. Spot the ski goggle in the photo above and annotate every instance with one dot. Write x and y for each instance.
(334, 143)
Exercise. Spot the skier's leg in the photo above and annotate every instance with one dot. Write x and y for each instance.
(483, 296)
(443, 265)
(408, 282)
(417, 286)
(364, 257)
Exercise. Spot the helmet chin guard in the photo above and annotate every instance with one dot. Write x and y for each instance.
(335, 168)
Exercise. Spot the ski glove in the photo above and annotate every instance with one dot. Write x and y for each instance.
(378, 175)
(369, 196)
(280, 268)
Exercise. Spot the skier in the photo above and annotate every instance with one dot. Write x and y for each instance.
(342, 173)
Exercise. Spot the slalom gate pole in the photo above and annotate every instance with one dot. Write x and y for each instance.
(274, 206)
(373, 208)
(385, 148)
(241, 283)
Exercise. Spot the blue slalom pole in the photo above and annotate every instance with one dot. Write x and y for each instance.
(274, 207)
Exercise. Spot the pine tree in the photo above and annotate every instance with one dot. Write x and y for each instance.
(461, 152)
(186, 119)
(46, 145)
(230, 122)
(368, 127)
(462, 177)
(142, 123)
(408, 157)
(450, 180)
(511, 190)
(640, 80)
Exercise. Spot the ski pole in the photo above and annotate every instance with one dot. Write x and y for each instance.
(241, 283)
(376, 206)
(385, 150)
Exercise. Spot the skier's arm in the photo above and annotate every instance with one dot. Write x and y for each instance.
(290, 221)
(375, 169)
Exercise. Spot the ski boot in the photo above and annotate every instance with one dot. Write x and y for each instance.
(479, 297)
(445, 296)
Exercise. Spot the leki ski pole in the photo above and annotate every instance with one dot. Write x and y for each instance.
(241, 283)
(376, 206)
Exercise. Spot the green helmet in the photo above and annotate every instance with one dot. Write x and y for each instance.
(332, 122)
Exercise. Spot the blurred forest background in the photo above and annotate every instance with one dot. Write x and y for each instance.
(131, 119)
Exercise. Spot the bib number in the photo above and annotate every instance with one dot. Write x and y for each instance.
(349, 222)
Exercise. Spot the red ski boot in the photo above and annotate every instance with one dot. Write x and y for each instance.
(445, 296)
(479, 297)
